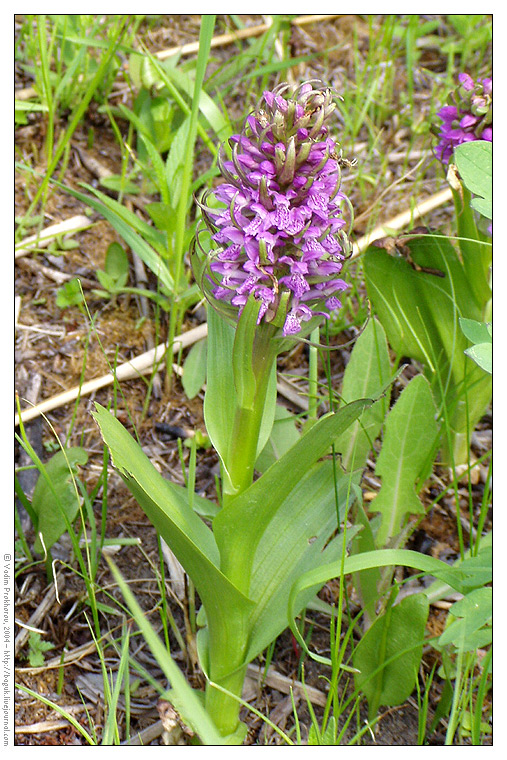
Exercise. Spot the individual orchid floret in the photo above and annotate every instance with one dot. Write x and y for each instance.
(468, 118)
(280, 227)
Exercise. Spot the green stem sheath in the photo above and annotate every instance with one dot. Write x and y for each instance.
(229, 654)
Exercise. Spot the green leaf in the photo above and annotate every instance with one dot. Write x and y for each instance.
(475, 165)
(55, 499)
(420, 313)
(296, 539)
(70, 294)
(240, 526)
(181, 528)
(409, 441)
(117, 261)
(119, 184)
(394, 643)
(162, 215)
(220, 398)
(221, 401)
(283, 435)
(36, 649)
(366, 375)
(242, 353)
(482, 354)
(474, 612)
(194, 369)
(107, 282)
(366, 582)
(477, 332)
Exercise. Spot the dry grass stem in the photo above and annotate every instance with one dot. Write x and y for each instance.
(240, 34)
(402, 220)
(44, 238)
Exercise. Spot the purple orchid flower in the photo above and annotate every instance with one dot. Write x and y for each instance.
(281, 232)
(469, 118)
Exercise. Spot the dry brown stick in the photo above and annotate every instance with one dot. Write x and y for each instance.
(126, 371)
(239, 34)
(38, 615)
(43, 238)
(42, 727)
(53, 274)
(401, 220)
(284, 684)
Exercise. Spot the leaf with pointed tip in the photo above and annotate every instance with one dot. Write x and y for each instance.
(296, 540)
(240, 526)
(410, 436)
(389, 654)
(366, 375)
(168, 509)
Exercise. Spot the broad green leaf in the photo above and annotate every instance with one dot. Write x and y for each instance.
(474, 246)
(244, 378)
(221, 401)
(477, 332)
(474, 612)
(420, 313)
(194, 369)
(481, 334)
(283, 435)
(162, 215)
(239, 527)
(389, 654)
(475, 165)
(69, 294)
(220, 398)
(366, 375)
(293, 543)
(409, 441)
(55, 499)
(366, 582)
(168, 510)
(117, 262)
(482, 354)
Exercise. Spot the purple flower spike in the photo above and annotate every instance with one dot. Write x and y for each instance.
(281, 231)
(469, 118)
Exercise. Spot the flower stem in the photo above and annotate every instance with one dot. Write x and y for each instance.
(242, 452)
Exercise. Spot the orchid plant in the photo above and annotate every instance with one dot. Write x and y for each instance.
(268, 260)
